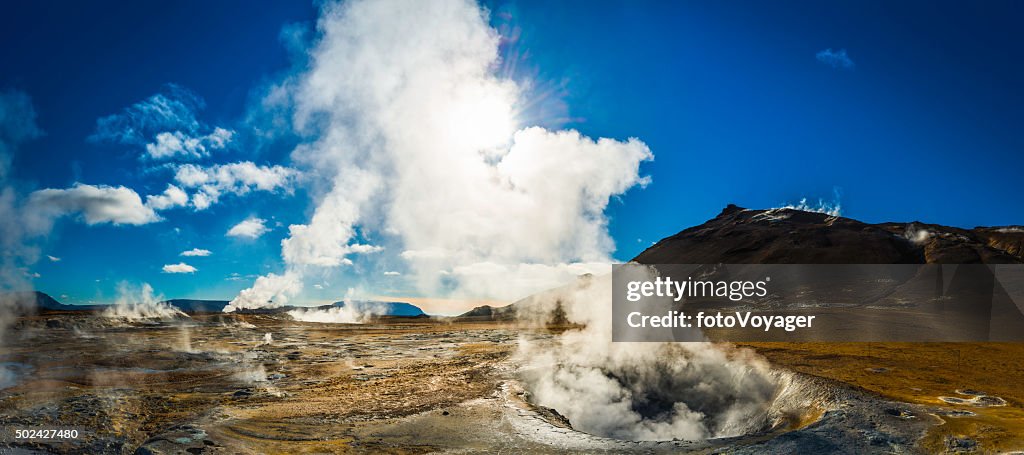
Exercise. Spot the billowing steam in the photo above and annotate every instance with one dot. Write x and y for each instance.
(640, 391)
(412, 136)
(917, 234)
(351, 313)
(137, 303)
(17, 125)
(830, 208)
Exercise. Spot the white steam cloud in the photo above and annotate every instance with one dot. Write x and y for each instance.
(17, 125)
(412, 135)
(139, 302)
(269, 291)
(831, 208)
(639, 391)
(916, 234)
(348, 314)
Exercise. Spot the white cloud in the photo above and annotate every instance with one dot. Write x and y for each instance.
(97, 204)
(234, 178)
(174, 108)
(171, 144)
(413, 133)
(390, 273)
(170, 198)
(53, 258)
(251, 228)
(196, 252)
(166, 125)
(180, 267)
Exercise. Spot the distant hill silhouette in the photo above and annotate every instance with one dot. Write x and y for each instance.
(399, 309)
(487, 312)
(191, 306)
(35, 301)
(41, 301)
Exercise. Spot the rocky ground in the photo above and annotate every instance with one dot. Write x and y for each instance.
(263, 384)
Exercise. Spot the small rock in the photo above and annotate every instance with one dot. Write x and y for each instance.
(961, 444)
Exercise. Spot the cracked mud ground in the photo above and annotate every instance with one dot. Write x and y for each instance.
(214, 384)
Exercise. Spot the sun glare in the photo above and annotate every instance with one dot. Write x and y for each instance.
(483, 121)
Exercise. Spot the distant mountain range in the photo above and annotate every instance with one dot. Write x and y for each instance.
(738, 236)
(43, 301)
(381, 308)
(192, 306)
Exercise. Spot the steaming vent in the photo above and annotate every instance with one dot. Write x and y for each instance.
(666, 403)
(651, 391)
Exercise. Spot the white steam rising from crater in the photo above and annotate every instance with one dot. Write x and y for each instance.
(335, 315)
(640, 391)
(139, 302)
(411, 134)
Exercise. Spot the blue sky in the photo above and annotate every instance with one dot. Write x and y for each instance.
(909, 110)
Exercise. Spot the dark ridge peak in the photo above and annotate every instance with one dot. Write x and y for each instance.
(731, 208)
(488, 312)
(793, 236)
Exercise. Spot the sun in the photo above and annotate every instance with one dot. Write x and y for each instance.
(483, 117)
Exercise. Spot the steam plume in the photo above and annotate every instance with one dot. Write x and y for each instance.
(410, 134)
(640, 391)
(17, 125)
(135, 303)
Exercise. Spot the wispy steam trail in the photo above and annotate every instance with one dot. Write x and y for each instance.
(17, 125)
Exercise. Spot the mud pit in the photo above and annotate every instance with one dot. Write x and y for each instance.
(213, 384)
